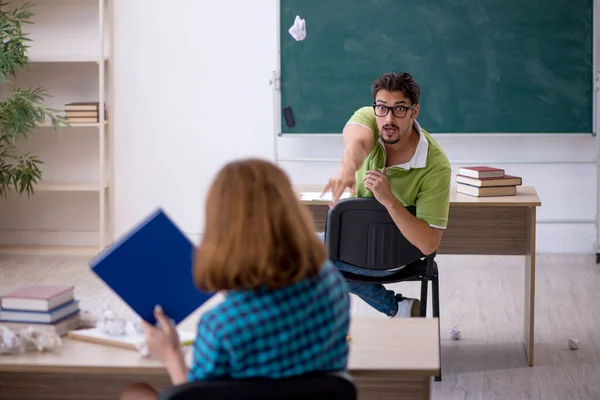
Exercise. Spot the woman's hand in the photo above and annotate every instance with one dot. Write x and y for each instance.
(162, 340)
(163, 343)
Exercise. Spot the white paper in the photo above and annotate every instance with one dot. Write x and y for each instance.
(298, 30)
(325, 197)
(138, 340)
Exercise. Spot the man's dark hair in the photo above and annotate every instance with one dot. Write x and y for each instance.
(401, 81)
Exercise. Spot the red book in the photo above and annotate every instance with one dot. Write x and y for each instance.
(506, 180)
(481, 172)
(37, 297)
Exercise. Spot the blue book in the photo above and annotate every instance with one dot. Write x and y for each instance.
(150, 265)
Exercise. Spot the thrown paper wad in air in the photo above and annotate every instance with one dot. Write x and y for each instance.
(298, 30)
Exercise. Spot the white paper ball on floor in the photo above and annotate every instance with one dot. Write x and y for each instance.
(454, 333)
(573, 344)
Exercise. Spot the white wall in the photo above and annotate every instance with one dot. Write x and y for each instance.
(191, 91)
(211, 46)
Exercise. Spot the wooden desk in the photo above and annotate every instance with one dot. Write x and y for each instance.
(398, 362)
(394, 360)
(477, 226)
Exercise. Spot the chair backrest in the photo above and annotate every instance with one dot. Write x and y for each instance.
(318, 386)
(361, 232)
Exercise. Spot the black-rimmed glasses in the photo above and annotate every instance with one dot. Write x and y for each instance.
(398, 111)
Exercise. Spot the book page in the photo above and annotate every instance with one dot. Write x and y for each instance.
(325, 197)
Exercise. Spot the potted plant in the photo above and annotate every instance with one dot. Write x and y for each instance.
(24, 109)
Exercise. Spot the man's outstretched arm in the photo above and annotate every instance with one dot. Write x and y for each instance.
(358, 141)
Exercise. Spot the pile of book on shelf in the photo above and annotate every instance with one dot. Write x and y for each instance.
(51, 308)
(483, 181)
(83, 112)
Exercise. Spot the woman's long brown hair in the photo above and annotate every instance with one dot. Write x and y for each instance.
(257, 233)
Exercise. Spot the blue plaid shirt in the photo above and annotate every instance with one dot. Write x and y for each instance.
(298, 329)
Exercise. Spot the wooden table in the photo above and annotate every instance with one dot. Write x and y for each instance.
(76, 371)
(394, 358)
(479, 226)
(389, 359)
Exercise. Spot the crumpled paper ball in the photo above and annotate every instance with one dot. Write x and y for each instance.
(454, 333)
(573, 344)
(9, 341)
(111, 324)
(28, 339)
(298, 29)
(39, 340)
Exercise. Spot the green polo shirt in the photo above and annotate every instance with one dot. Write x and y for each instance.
(424, 181)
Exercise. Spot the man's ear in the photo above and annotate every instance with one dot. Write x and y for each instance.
(415, 112)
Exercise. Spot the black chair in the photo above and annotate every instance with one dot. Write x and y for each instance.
(361, 232)
(316, 386)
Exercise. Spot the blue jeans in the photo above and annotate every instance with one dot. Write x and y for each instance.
(374, 294)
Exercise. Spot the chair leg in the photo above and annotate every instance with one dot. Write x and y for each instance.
(423, 310)
(435, 288)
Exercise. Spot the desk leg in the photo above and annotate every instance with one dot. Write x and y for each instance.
(528, 332)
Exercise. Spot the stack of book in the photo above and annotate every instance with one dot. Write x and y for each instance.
(50, 308)
(83, 112)
(483, 181)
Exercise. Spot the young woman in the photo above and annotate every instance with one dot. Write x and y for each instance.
(286, 308)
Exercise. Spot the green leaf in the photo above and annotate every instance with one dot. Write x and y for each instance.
(24, 109)
(13, 54)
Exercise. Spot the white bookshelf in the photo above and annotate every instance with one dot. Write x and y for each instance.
(70, 56)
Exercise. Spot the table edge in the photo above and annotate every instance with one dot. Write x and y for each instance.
(83, 369)
(497, 201)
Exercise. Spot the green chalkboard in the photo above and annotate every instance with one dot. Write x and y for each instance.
(484, 66)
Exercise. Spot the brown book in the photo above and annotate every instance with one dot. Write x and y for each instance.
(481, 172)
(486, 191)
(506, 180)
(83, 120)
(83, 106)
(76, 114)
(84, 116)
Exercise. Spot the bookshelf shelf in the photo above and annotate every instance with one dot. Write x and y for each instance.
(69, 56)
(76, 125)
(69, 187)
(65, 59)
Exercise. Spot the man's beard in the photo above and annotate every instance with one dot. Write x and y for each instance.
(391, 141)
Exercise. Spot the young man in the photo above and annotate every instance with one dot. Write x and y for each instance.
(389, 156)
